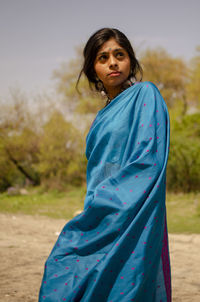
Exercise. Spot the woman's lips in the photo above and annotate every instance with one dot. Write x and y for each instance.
(114, 74)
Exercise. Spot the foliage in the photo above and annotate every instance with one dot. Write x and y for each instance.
(8, 173)
(18, 143)
(20, 149)
(179, 85)
(193, 87)
(50, 153)
(184, 160)
(60, 152)
(46, 146)
(168, 73)
(84, 100)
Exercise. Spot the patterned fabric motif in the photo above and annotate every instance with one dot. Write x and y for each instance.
(117, 248)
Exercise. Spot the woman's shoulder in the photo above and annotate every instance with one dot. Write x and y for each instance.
(148, 91)
(148, 88)
(147, 85)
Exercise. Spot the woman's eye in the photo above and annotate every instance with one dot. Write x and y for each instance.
(120, 54)
(102, 58)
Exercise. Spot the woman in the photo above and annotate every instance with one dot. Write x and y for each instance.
(117, 248)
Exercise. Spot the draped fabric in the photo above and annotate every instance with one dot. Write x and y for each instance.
(117, 248)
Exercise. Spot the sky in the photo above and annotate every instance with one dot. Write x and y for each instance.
(36, 36)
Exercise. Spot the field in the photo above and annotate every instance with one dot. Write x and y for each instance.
(31, 223)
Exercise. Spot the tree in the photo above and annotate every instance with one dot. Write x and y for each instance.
(169, 74)
(18, 142)
(193, 87)
(86, 102)
(60, 153)
(183, 172)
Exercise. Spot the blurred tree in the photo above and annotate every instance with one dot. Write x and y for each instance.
(183, 173)
(83, 102)
(21, 150)
(38, 144)
(8, 171)
(42, 146)
(193, 87)
(60, 153)
(169, 74)
(18, 142)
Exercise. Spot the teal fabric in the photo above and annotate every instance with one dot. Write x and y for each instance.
(117, 248)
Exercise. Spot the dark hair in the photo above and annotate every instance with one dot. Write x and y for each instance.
(92, 47)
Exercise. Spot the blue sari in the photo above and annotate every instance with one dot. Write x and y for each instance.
(117, 248)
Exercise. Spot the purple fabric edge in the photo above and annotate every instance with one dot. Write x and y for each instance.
(166, 263)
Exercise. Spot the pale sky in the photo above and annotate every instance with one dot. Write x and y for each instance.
(37, 35)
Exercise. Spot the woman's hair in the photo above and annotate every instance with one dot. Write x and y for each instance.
(92, 47)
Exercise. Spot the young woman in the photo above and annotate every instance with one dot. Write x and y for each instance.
(117, 248)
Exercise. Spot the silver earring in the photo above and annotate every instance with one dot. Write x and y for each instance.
(100, 85)
(102, 90)
(103, 93)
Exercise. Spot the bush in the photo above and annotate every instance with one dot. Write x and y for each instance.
(183, 173)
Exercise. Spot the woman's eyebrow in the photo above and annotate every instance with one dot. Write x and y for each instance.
(102, 53)
(105, 52)
(117, 49)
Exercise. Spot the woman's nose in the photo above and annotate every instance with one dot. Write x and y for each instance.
(113, 62)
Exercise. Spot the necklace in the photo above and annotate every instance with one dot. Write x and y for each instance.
(108, 101)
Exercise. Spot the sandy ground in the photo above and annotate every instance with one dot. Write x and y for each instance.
(25, 242)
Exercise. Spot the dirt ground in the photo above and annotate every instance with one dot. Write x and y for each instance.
(26, 241)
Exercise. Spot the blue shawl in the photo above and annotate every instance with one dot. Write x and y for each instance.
(117, 248)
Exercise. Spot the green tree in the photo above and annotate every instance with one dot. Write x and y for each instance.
(18, 143)
(183, 172)
(60, 153)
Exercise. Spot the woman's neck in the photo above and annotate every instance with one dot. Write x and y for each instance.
(113, 92)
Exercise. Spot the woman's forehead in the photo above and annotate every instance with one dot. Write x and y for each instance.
(110, 45)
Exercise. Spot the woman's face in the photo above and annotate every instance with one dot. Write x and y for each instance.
(112, 66)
